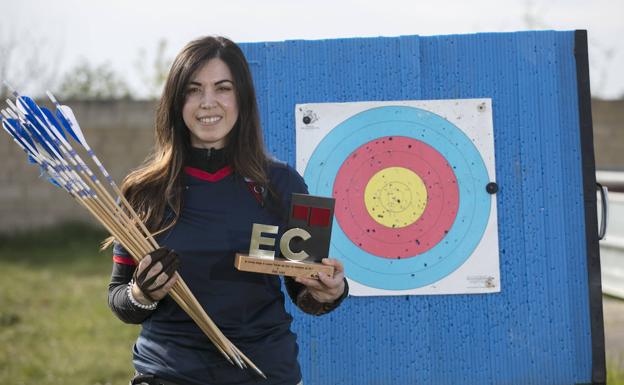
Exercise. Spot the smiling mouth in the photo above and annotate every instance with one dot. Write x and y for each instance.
(209, 119)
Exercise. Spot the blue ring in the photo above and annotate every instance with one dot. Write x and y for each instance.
(461, 154)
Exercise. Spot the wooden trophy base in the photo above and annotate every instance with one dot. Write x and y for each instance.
(285, 267)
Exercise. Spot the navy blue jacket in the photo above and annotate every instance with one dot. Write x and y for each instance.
(215, 223)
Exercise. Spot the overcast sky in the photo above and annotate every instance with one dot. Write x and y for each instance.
(115, 31)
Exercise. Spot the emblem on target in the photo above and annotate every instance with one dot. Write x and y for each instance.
(414, 213)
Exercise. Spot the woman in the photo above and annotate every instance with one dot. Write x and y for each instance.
(208, 180)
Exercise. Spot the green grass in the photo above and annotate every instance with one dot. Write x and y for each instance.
(615, 370)
(615, 375)
(55, 324)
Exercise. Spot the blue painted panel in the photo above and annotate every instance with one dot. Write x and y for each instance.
(537, 330)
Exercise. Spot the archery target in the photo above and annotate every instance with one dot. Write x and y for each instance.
(396, 195)
(410, 186)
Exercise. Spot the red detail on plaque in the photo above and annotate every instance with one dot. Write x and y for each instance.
(300, 212)
(319, 217)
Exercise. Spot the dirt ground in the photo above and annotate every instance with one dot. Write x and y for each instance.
(613, 310)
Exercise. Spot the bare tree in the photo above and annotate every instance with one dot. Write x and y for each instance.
(531, 16)
(153, 70)
(600, 59)
(600, 56)
(88, 82)
(28, 63)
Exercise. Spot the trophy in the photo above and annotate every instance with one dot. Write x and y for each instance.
(302, 246)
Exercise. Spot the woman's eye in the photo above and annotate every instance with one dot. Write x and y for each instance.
(192, 90)
(224, 89)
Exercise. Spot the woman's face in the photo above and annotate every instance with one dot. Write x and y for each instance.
(210, 108)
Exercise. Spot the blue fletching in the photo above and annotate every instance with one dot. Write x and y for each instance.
(37, 138)
(8, 125)
(54, 182)
(66, 124)
(36, 117)
(20, 132)
(44, 174)
(51, 140)
(54, 122)
(31, 159)
(32, 120)
(33, 107)
(11, 124)
(25, 147)
(42, 136)
(11, 131)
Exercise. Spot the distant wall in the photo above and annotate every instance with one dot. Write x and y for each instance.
(608, 117)
(121, 133)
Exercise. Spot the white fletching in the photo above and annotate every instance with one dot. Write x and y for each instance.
(69, 115)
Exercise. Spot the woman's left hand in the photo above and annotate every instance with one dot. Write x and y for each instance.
(326, 288)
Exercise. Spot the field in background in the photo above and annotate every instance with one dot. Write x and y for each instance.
(55, 325)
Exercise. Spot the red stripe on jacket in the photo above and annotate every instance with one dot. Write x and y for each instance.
(210, 177)
(124, 260)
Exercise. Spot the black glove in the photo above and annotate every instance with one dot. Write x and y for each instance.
(170, 263)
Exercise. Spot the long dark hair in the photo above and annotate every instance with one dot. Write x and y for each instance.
(158, 183)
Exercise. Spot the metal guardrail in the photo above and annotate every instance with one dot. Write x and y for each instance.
(612, 248)
(614, 180)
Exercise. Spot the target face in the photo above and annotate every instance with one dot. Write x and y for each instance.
(410, 187)
(397, 196)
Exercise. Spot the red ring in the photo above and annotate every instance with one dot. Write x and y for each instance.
(398, 151)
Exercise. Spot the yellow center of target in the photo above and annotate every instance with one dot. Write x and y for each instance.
(395, 197)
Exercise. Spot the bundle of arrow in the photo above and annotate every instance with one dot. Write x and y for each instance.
(41, 134)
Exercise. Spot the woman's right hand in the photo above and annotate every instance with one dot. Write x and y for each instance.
(155, 275)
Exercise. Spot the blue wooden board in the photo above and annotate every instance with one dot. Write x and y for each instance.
(537, 329)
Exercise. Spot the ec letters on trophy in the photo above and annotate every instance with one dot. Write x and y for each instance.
(302, 246)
